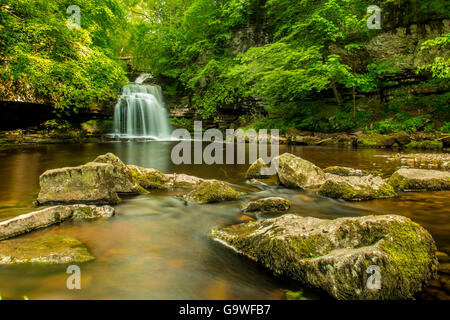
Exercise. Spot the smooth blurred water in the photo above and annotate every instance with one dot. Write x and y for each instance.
(156, 247)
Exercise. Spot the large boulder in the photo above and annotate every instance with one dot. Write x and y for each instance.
(356, 188)
(51, 249)
(180, 180)
(90, 183)
(212, 191)
(340, 255)
(96, 182)
(406, 179)
(271, 204)
(295, 172)
(123, 180)
(43, 218)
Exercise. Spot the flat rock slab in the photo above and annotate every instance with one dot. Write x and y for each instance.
(340, 255)
(48, 216)
(406, 179)
(52, 249)
(356, 188)
(345, 171)
(271, 204)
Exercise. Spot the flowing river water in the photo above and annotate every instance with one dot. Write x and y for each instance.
(156, 247)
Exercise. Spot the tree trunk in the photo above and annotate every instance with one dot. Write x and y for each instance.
(335, 91)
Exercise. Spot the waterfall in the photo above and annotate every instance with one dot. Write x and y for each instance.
(140, 111)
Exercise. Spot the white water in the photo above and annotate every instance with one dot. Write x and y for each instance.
(140, 111)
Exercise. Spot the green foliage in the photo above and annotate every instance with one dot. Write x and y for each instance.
(440, 68)
(404, 122)
(68, 68)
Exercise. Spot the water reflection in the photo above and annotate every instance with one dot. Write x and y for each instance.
(157, 247)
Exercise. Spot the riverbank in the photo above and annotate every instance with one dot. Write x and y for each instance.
(432, 141)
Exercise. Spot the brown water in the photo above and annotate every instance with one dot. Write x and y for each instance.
(157, 248)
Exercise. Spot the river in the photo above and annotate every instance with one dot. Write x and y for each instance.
(156, 247)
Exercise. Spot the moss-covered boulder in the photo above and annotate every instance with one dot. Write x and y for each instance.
(295, 172)
(425, 145)
(340, 255)
(212, 191)
(344, 171)
(46, 217)
(150, 178)
(51, 249)
(402, 138)
(272, 204)
(375, 141)
(123, 180)
(93, 183)
(356, 188)
(406, 179)
(255, 170)
(96, 182)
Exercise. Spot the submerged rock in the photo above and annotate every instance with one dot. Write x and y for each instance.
(254, 171)
(338, 255)
(212, 191)
(420, 179)
(49, 216)
(356, 188)
(52, 249)
(295, 172)
(344, 171)
(272, 204)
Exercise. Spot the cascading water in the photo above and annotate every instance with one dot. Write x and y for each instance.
(140, 112)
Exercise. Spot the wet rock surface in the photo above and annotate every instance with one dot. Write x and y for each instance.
(406, 179)
(335, 255)
(212, 191)
(51, 249)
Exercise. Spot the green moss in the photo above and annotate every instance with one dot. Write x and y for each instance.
(295, 295)
(375, 141)
(400, 183)
(340, 171)
(339, 191)
(150, 179)
(213, 191)
(411, 259)
(425, 144)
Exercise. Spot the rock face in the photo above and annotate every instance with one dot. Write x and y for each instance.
(337, 255)
(89, 183)
(295, 172)
(96, 182)
(420, 179)
(122, 178)
(52, 249)
(272, 204)
(356, 188)
(212, 191)
(254, 171)
(344, 171)
(46, 217)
